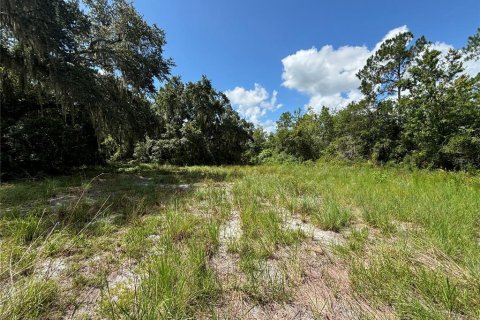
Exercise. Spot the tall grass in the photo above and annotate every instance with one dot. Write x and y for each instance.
(264, 231)
(175, 281)
(408, 214)
(412, 237)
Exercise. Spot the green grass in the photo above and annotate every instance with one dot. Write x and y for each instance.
(175, 282)
(412, 238)
(415, 290)
(29, 299)
(263, 233)
(332, 216)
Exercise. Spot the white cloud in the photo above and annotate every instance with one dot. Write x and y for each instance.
(254, 104)
(441, 46)
(391, 34)
(472, 68)
(328, 75)
(326, 71)
(269, 125)
(335, 101)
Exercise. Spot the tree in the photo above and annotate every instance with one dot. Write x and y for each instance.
(472, 49)
(35, 135)
(385, 72)
(199, 126)
(96, 59)
(104, 39)
(443, 112)
(353, 136)
(304, 136)
(385, 80)
(327, 127)
(255, 146)
(419, 108)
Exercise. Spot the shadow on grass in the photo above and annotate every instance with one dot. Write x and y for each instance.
(116, 194)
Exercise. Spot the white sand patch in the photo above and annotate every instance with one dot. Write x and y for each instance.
(326, 237)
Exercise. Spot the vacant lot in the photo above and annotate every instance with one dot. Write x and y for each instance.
(321, 241)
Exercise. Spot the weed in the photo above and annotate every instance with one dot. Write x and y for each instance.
(333, 216)
(418, 252)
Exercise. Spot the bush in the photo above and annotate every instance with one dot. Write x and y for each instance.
(176, 151)
(346, 148)
(46, 144)
(269, 156)
(462, 151)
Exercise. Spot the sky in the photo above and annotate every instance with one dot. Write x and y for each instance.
(270, 57)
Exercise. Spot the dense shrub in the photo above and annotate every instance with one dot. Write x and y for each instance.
(36, 144)
(197, 126)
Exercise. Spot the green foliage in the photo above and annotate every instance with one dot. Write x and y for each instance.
(473, 46)
(97, 40)
(332, 216)
(198, 126)
(463, 150)
(82, 92)
(443, 106)
(83, 78)
(385, 72)
(419, 108)
(37, 136)
(255, 147)
(45, 143)
(30, 300)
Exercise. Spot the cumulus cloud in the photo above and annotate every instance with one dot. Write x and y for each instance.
(328, 75)
(471, 67)
(269, 125)
(390, 34)
(334, 101)
(253, 104)
(326, 71)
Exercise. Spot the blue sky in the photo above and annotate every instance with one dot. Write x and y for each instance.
(276, 56)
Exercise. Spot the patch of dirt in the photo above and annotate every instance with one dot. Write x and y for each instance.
(124, 277)
(182, 187)
(234, 303)
(318, 282)
(82, 304)
(325, 288)
(51, 268)
(319, 288)
(323, 236)
(223, 262)
(62, 201)
(241, 307)
(85, 305)
(154, 238)
(87, 299)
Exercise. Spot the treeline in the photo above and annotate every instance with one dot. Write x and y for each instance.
(195, 125)
(420, 108)
(77, 87)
